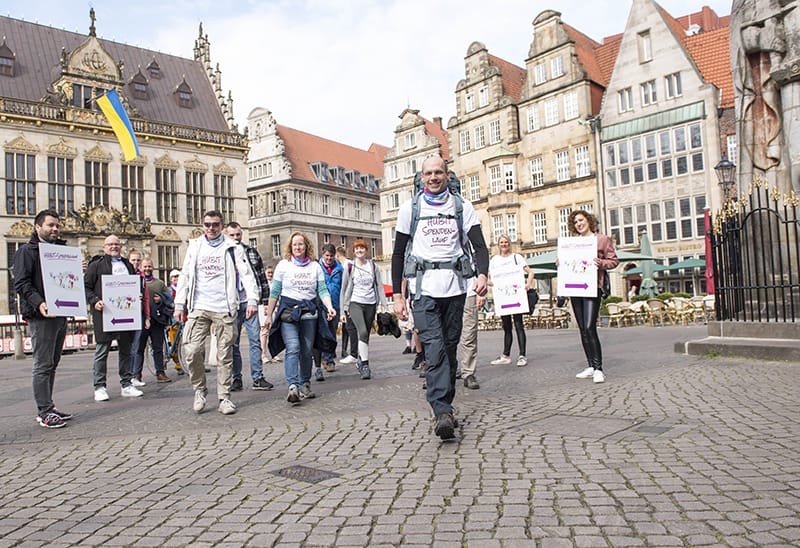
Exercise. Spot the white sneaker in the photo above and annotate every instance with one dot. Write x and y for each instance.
(598, 376)
(501, 360)
(101, 394)
(131, 392)
(199, 401)
(586, 373)
(348, 359)
(136, 382)
(522, 361)
(227, 407)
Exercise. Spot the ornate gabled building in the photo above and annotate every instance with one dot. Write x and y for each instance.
(301, 182)
(415, 139)
(60, 151)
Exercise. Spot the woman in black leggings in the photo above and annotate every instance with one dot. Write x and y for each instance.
(586, 309)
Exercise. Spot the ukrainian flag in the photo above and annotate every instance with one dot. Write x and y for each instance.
(112, 107)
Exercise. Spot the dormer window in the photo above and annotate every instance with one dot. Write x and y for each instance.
(320, 169)
(154, 69)
(6, 60)
(139, 85)
(183, 95)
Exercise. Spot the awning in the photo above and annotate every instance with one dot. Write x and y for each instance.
(686, 263)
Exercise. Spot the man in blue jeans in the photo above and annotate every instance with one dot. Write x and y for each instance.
(252, 326)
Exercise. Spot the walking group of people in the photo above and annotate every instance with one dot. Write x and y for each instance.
(440, 274)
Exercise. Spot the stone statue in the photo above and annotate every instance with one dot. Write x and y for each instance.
(765, 55)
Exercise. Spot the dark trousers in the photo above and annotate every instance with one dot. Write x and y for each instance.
(47, 339)
(508, 338)
(586, 310)
(156, 336)
(350, 335)
(438, 322)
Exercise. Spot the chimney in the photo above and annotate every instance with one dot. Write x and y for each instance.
(438, 121)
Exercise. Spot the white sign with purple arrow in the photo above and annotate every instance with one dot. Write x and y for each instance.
(122, 310)
(62, 275)
(577, 273)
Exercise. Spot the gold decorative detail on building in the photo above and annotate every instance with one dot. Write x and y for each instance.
(168, 235)
(20, 144)
(195, 165)
(224, 169)
(98, 154)
(62, 150)
(165, 162)
(196, 233)
(21, 228)
(103, 220)
(140, 160)
(90, 59)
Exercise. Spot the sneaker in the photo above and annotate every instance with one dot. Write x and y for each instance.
(586, 373)
(598, 376)
(236, 385)
(51, 420)
(294, 394)
(131, 391)
(227, 407)
(162, 377)
(522, 361)
(137, 382)
(408, 350)
(329, 366)
(471, 382)
(306, 393)
(318, 375)
(445, 427)
(502, 360)
(363, 369)
(418, 361)
(199, 401)
(262, 384)
(347, 360)
(63, 416)
(101, 394)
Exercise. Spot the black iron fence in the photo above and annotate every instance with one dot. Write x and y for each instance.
(755, 244)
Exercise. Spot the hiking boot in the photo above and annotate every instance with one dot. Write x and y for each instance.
(586, 373)
(445, 427)
(262, 384)
(227, 407)
(131, 391)
(294, 394)
(51, 420)
(501, 360)
(471, 382)
(236, 385)
(199, 401)
(318, 375)
(162, 377)
(306, 393)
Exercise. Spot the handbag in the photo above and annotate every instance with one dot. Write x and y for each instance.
(533, 299)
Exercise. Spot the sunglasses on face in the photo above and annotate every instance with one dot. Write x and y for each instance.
(212, 225)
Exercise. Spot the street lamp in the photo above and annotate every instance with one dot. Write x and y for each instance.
(726, 172)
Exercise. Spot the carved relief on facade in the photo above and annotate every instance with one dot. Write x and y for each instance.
(62, 150)
(140, 160)
(91, 60)
(21, 228)
(224, 169)
(195, 233)
(195, 165)
(103, 220)
(165, 162)
(21, 145)
(168, 235)
(97, 154)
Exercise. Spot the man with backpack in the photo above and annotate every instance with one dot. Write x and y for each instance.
(432, 250)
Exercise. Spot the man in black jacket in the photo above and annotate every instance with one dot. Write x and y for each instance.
(47, 332)
(112, 263)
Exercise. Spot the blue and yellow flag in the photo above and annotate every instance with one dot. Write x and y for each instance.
(112, 107)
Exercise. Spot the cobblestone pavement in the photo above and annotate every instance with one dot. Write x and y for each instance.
(672, 450)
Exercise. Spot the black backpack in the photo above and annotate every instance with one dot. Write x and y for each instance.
(164, 309)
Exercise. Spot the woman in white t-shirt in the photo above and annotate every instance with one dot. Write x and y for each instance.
(298, 284)
(362, 292)
(504, 260)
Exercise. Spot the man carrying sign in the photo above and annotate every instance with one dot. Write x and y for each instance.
(47, 331)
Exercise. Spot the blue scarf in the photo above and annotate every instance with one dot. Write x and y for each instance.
(216, 241)
(436, 199)
(301, 262)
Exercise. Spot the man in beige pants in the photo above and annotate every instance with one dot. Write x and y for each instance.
(469, 339)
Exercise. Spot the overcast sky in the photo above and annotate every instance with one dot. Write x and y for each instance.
(339, 69)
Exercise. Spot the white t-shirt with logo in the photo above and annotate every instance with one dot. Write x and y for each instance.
(498, 261)
(363, 278)
(437, 240)
(299, 282)
(209, 291)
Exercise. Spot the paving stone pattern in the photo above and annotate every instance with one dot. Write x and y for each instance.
(672, 450)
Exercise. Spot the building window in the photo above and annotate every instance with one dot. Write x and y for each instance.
(464, 141)
(20, 184)
(60, 185)
(672, 83)
(641, 220)
(372, 212)
(251, 206)
(223, 195)
(533, 118)
(627, 226)
(480, 137)
(410, 141)
(540, 74)
(411, 167)
(583, 167)
(645, 47)
(96, 182)
(650, 145)
(358, 210)
(636, 149)
(670, 225)
(341, 208)
(393, 172)
(133, 191)
(699, 221)
(195, 197)
(168, 259)
(562, 165)
(685, 205)
(497, 227)
(652, 172)
(625, 98)
(649, 95)
(613, 225)
(495, 179)
(494, 132)
(571, 105)
(666, 168)
(655, 222)
(556, 67)
(273, 201)
(6, 60)
(474, 188)
(697, 162)
(166, 196)
(276, 245)
(536, 168)
(508, 177)
(394, 200)
(539, 221)
(483, 96)
(326, 206)
(469, 102)
(696, 136)
(563, 221)
(84, 96)
(551, 112)
(731, 147)
(511, 226)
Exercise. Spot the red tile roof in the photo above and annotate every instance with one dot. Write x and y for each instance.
(707, 19)
(436, 130)
(711, 54)
(512, 75)
(597, 59)
(303, 149)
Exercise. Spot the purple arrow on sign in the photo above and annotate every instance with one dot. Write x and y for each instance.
(115, 321)
(511, 305)
(584, 285)
(64, 304)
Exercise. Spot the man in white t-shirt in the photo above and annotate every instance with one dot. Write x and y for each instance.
(207, 299)
(438, 301)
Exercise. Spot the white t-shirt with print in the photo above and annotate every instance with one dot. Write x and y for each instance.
(209, 290)
(298, 282)
(363, 278)
(437, 240)
(498, 261)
